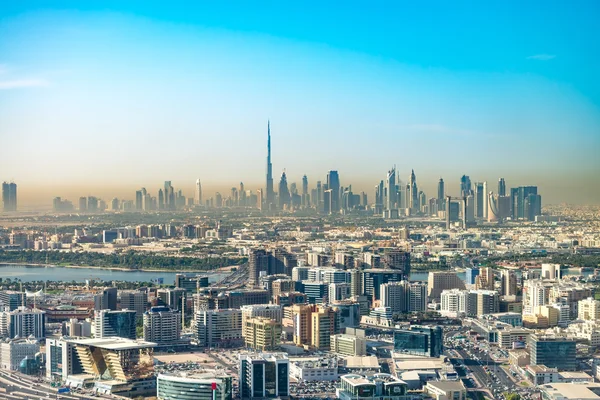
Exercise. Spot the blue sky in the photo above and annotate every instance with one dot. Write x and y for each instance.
(112, 97)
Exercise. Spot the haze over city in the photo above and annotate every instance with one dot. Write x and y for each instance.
(101, 100)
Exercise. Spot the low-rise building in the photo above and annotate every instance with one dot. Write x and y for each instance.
(314, 369)
(351, 343)
(12, 352)
(446, 390)
(197, 385)
(570, 391)
(371, 387)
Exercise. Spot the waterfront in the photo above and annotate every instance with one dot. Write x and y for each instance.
(29, 273)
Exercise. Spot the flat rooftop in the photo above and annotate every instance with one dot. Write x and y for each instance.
(112, 343)
(581, 391)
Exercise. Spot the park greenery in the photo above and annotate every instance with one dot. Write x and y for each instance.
(129, 260)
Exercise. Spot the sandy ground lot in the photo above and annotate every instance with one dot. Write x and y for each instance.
(185, 357)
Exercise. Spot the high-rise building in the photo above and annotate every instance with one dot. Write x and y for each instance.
(162, 325)
(264, 375)
(305, 196)
(270, 311)
(479, 202)
(110, 323)
(9, 196)
(262, 334)
(465, 186)
(391, 202)
(106, 299)
(270, 195)
(134, 300)
(501, 187)
(12, 352)
(333, 184)
(508, 283)
(418, 340)
(414, 194)
(553, 352)
(198, 193)
(23, 322)
(439, 281)
(471, 274)
(218, 328)
(12, 299)
(487, 302)
(284, 193)
(486, 279)
(441, 194)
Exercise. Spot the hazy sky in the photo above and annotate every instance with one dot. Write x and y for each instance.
(103, 98)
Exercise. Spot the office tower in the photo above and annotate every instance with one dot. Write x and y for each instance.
(9, 196)
(457, 303)
(553, 352)
(471, 274)
(262, 334)
(327, 202)
(218, 328)
(487, 302)
(374, 278)
(379, 198)
(465, 186)
(162, 325)
(470, 209)
(390, 188)
(485, 279)
(23, 322)
(396, 259)
(439, 281)
(533, 206)
(198, 193)
(501, 187)
(485, 200)
(264, 375)
(270, 311)
(134, 300)
(12, 299)
(172, 297)
(82, 204)
(419, 340)
(109, 323)
(305, 197)
(509, 283)
(333, 184)
(92, 204)
(270, 195)
(518, 197)
(479, 195)
(139, 198)
(258, 262)
(161, 199)
(416, 296)
(324, 323)
(441, 194)
(414, 195)
(106, 299)
(284, 193)
(393, 295)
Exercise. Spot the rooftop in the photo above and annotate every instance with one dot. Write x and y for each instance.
(581, 391)
(111, 343)
(447, 386)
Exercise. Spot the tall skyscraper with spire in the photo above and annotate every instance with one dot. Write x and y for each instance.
(198, 193)
(270, 195)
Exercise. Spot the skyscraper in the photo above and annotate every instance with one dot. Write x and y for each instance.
(9, 196)
(269, 190)
(284, 193)
(486, 197)
(390, 188)
(441, 194)
(197, 193)
(414, 194)
(304, 191)
(333, 184)
(465, 186)
(501, 187)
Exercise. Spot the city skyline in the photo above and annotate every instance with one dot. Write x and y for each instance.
(111, 100)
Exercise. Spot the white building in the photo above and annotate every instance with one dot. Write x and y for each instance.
(162, 325)
(351, 343)
(218, 328)
(314, 369)
(23, 322)
(12, 352)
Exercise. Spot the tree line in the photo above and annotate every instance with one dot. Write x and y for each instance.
(130, 260)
